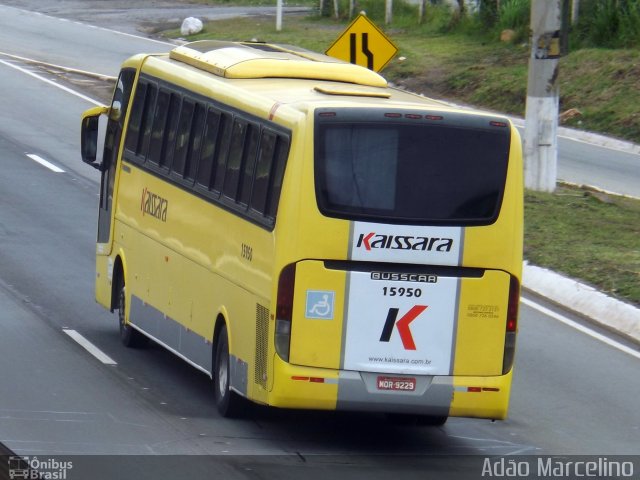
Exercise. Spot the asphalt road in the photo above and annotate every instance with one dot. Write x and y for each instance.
(572, 394)
(611, 169)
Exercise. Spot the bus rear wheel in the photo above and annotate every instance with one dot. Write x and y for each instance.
(129, 336)
(227, 401)
(417, 420)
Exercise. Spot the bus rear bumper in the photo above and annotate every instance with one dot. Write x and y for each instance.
(323, 389)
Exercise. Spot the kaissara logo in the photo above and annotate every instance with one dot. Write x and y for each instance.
(154, 205)
(373, 240)
(402, 324)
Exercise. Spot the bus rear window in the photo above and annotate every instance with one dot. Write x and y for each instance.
(447, 169)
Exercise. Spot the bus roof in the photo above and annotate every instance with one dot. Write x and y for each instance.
(263, 60)
(261, 75)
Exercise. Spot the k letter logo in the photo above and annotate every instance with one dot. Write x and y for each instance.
(402, 324)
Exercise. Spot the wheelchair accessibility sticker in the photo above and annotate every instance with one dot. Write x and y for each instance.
(319, 304)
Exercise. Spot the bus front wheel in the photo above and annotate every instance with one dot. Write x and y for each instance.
(227, 401)
(129, 336)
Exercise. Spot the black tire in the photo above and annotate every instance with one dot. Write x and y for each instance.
(129, 336)
(228, 402)
(431, 420)
(417, 420)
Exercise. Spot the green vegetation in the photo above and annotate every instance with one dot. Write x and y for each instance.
(587, 235)
(609, 23)
(582, 234)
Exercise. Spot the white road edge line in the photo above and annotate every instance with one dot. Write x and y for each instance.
(44, 163)
(608, 147)
(50, 82)
(89, 347)
(580, 327)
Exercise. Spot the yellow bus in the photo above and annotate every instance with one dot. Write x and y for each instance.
(307, 235)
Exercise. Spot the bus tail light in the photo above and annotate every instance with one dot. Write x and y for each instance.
(284, 310)
(512, 325)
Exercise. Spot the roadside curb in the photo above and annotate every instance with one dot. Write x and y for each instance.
(584, 300)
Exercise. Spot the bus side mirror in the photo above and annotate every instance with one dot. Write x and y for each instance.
(89, 135)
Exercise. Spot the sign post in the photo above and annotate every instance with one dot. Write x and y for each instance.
(364, 44)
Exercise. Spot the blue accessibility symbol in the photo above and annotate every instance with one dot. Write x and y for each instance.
(320, 304)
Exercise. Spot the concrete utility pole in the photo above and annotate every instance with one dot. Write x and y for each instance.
(421, 9)
(541, 122)
(388, 12)
(575, 9)
(352, 8)
(279, 15)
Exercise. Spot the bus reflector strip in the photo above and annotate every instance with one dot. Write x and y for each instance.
(476, 389)
(308, 379)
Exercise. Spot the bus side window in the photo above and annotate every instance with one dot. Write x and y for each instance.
(260, 192)
(195, 142)
(135, 120)
(280, 161)
(209, 148)
(141, 122)
(249, 165)
(170, 132)
(182, 137)
(234, 162)
(224, 133)
(159, 124)
(147, 121)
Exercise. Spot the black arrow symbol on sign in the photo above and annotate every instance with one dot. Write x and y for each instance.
(365, 49)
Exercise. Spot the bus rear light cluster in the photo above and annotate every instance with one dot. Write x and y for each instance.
(511, 326)
(284, 310)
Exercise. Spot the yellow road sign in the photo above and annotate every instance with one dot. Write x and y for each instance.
(363, 43)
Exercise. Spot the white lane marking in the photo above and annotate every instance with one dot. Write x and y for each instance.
(44, 163)
(90, 347)
(581, 328)
(99, 76)
(50, 82)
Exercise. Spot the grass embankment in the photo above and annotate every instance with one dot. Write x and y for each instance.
(587, 235)
(584, 235)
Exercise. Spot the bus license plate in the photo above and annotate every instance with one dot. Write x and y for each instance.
(397, 384)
